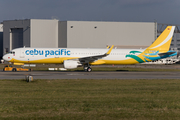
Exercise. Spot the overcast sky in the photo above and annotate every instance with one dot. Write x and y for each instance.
(163, 11)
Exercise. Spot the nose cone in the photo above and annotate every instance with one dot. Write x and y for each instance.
(6, 58)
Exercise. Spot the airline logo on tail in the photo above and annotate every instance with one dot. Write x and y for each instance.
(159, 49)
(164, 40)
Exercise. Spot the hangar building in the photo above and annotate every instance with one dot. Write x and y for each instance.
(76, 34)
(1, 40)
(29, 33)
(100, 34)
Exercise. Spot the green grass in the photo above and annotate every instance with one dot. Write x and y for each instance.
(90, 99)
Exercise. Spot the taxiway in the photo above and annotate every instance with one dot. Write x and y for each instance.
(89, 75)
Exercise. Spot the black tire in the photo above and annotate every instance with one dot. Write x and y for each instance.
(89, 69)
(14, 70)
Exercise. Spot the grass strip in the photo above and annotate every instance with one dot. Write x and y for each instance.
(90, 99)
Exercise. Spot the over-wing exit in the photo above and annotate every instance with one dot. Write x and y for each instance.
(78, 57)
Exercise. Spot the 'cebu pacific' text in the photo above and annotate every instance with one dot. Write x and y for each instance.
(47, 52)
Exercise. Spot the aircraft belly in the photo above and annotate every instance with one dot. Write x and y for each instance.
(45, 60)
(119, 62)
(115, 61)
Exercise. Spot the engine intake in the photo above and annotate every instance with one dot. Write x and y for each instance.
(71, 64)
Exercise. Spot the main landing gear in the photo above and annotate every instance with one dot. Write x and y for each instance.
(87, 68)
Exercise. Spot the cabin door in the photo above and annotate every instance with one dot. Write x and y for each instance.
(22, 53)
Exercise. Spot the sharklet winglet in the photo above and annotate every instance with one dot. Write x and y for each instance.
(110, 50)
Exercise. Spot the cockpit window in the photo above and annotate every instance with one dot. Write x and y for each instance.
(11, 52)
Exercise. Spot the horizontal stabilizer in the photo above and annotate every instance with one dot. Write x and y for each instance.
(167, 53)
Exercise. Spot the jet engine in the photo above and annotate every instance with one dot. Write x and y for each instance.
(71, 64)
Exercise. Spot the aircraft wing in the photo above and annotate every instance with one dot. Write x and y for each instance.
(96, 57)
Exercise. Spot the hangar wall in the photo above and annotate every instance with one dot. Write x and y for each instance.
(76, 34)
(175, 43)
(29, 33)
(1, 40)
(44, 33)
(62, 34)
(100, 34)
(10, 33)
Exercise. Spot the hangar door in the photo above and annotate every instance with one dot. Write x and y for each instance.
(17, 37)
(1, 44)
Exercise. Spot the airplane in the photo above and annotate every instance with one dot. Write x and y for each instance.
(77, 57)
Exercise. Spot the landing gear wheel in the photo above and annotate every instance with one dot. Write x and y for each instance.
(89, 69)
(85, 69)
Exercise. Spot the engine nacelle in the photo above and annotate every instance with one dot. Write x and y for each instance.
(71, 64)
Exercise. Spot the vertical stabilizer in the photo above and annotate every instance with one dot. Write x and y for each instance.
(162, 43)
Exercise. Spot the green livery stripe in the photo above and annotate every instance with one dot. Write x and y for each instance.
(136, 58)
(133, 52)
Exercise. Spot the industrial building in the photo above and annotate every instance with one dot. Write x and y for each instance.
(100, 34)
(80, 34)
(1, 40)
(29, 33)
(75, 34)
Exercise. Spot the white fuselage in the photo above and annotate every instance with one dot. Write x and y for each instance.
(58, 55)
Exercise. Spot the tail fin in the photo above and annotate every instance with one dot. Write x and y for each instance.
(162, 43)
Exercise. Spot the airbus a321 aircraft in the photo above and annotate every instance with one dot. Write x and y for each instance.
(76, 57)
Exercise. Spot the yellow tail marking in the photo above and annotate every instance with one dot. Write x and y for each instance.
(163, 42)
